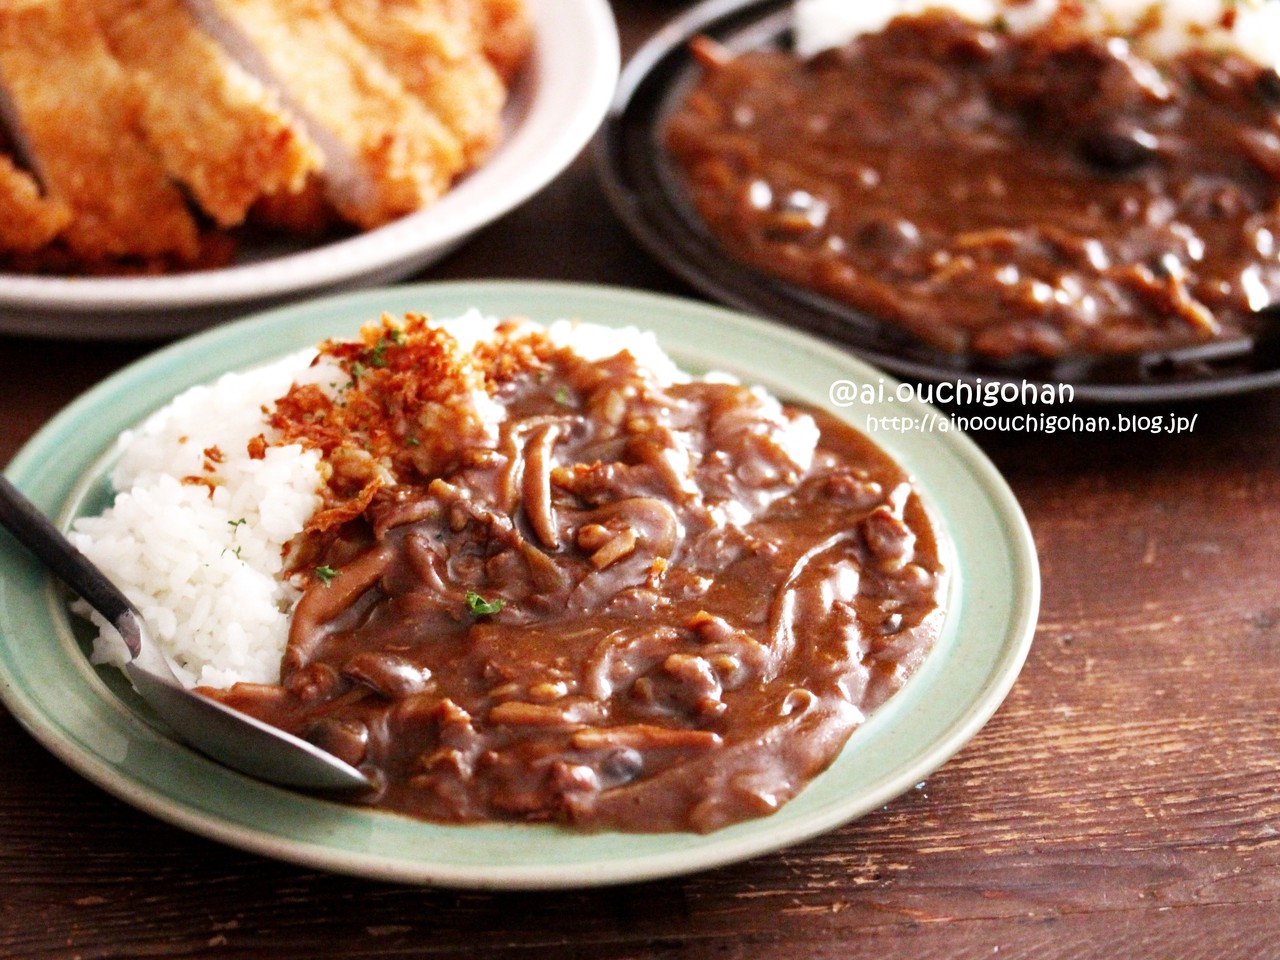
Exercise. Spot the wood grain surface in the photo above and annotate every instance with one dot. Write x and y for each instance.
(1124, 802)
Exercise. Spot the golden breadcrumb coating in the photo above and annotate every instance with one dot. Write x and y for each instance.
(141, 133)
(398, 156)
(439, 59)
(28, 221)
(217, 129)
(506, 32)
(77, 113)
(307, 213)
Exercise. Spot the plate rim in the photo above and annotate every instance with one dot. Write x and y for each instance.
(255, 335)
(674, 251)
(591, 75)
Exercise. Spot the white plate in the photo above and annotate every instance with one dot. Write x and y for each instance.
(93, 722)
(554, 110)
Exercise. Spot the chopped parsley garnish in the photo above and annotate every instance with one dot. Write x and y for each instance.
(480, 607)
(561, 396)
(326, 574)
(412, 442)
(357, 371)
(378, 355)
(234, 525)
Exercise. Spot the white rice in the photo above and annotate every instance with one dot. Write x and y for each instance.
(205, 571)
(822, 24)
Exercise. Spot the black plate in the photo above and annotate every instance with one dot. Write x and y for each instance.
(644, 189)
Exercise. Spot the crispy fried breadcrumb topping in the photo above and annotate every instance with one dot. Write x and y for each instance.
(412, 406)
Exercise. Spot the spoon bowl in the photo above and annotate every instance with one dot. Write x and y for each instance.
(228, 736)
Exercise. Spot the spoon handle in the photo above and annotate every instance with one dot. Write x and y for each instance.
(34, 531)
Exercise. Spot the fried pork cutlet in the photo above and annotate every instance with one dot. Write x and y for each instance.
(438, 57)
(216, 128)
(75, 111)
(385, 153)
(28, 221)
(307, 213)
(506, 32)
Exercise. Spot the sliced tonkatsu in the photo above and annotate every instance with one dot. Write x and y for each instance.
(157, 135)
(439, 58)
(505, 28)
(385, 153)
(75, 110)
(28, 220)
(217, 130)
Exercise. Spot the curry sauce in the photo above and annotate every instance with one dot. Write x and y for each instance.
(1050, 193)
(594, 597)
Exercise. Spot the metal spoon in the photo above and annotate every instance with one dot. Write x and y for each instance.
(228, 736)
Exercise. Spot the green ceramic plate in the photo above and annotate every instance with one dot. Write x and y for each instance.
(92, 722)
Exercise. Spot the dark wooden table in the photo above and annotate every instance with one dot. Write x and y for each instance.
(1124, 802)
